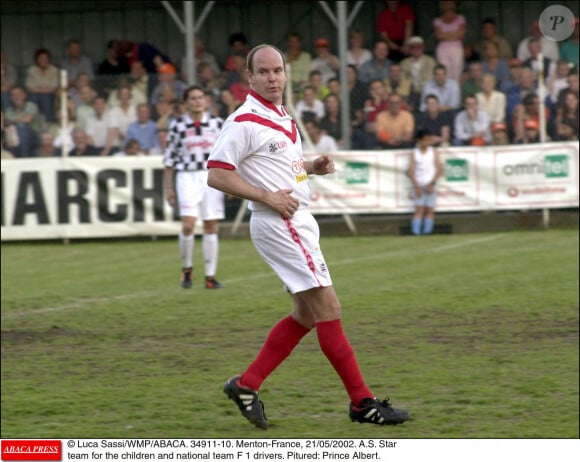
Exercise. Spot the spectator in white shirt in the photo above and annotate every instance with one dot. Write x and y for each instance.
(490, 100)
(322, 142)
(121, 117)
(309, 107)
(471, 125)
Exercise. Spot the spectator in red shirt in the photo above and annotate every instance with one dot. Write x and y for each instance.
(395, 24)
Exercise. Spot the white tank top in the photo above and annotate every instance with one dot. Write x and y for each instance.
(424, 166)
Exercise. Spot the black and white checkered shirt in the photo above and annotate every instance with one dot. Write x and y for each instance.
(190, 142)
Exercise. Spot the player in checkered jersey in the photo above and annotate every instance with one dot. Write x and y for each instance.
(191, 137)
(258, 156)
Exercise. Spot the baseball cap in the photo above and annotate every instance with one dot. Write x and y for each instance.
(415, 40)
(321, 43)
(166, 68)
(532, 124)
(497, 126)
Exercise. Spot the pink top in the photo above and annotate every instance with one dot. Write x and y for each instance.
(449, 27)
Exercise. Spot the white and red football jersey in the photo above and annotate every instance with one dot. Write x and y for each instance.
(262, 143)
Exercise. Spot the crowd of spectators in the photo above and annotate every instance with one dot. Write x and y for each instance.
(466, 94)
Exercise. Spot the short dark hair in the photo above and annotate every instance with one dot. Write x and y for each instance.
(237, 37)
(423, 132)
(189, 89)
(489, 21)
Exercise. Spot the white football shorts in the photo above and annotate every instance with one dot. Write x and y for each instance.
(291, 248)
(196, 198)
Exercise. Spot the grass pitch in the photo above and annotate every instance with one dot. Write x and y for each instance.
(476, 335)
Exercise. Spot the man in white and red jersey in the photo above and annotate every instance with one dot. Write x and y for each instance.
(258, 156)
(191, 137)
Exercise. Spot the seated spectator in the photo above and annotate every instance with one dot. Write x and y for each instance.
(570, 49)
(572, 87)
(471, 126)
(10, 140)
(395, 127)
(201, 55)
(121, 117)
(47, 147)
(331, 122)
(207, 80)
(378, 102)
(567, 123)
(378, 66)
(528, 109)
(309, 108)
(85, 109)
(81, 146)
(334, 87)
(42, 80)
(548, 47)
(162, 138)
(499, 134)
(98, 126)
(299, 60)
(472, 84)
(489, 34)
(531, 132)
(325, 62)
(144, 130)
(315, 81)
(356, 53)
(228, 104)
(418, 68)
(548, 66)
(75, 63)
(109, 70)
(8, 79)
(395, 25)
(82, 80)
(132, 148)
(493, 64)
(446, 90)
(397, 83)
(559, 79)
(24, 116)
(322, 142)
(436, 121)
(516, 94)
(358, 94)
(239, 46)
(142, 84)
(513, 80)
(490, 100)
(163, 113)
(167, 79)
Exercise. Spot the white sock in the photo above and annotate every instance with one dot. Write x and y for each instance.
(210, 253)
(186, 247)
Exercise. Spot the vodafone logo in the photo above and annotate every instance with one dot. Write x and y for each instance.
(513, 191)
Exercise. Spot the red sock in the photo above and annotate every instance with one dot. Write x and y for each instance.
(337, 349)
(281, 340)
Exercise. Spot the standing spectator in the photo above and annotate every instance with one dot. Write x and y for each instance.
(446, 90)
(493, 64)
(471, 126)
(201, 56)
(418, 67)
(121, 117)
(299, 60)
(490, 100)
(569, 49)
(141, 51)
(325, 61)
(321, 141)
(238, 65)
(548, 65)
(190, 141)
(319, 87)
(24, 116)
(425, 168)
(241, 88)
(356, 53)
(435, 121)
(395, 24)
(144, 130)
(114, 63)
(472, 83)
(309, 107)
(398, 83)
(378, 66)
(42, 82)
(98, 125)
(395, 127)
(75, 62)
(548, 47)
(238, 43)
(8, 79)
(331, 122)
(286, 235)
(450, 32)
(489, 34)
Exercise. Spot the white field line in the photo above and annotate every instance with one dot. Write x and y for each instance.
(86, 302)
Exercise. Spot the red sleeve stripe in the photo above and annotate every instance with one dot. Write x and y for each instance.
(218, 164)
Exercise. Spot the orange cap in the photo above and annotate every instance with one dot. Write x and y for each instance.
(166, 68)
(531, 124)
(497, 126)
(477, 141)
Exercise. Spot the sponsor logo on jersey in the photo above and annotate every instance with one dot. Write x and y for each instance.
(277, 147)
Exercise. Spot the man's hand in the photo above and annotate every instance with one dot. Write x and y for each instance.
(283, 202)
(323, 165)
(170, 196)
